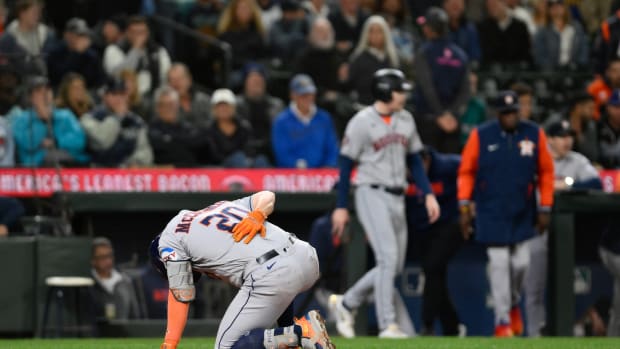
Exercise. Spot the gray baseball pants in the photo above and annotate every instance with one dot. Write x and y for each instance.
(382, 216)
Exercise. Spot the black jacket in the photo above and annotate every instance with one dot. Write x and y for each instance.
(88, 64)
(179, 144)
(504, 46)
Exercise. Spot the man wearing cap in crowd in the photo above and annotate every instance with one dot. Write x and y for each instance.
(117, 136)
(609, 133)
(503, 163)
(303, 135)
(443, 88)
(75, 54)
(45, 135)
(572, 171)
(230, 136)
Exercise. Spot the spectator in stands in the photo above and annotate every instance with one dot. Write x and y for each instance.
(475, 112)
(592, 12)
(117, 136)
(47, 136)
(175, 141)
(374, 51)
(287, 35)
(110, 31)
(397, 16)
(609, 133)
(580, 114)
(581, 118)
(229, 135)
(73, 95)
(303, 135)
(504, 39)
(316, 8)
(523, 14)
(442, 92)
(113, 295)
(526, 100)
(540, 12)
(258, 107)
(138, 52)
(270, 13)
(203, 16)
(600, 89)
(562, 43)
(241, 26)
(419, 7)
(138, 104)
(26, 40)
(329, 76)
(347, 22)
(7, 144)
(194, 104)
(11, 210)
(462, 31)
(607, 42)
(75, 55)
(9, 86)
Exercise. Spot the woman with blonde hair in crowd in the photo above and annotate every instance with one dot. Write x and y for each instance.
(375, 50)
(73, 95)
(241, 26)
(137, 103)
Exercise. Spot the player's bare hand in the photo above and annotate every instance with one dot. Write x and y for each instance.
(251, 225)
(542, 223)
(340, 218)
(166, 345)
(432, 208)
(448, 123)
(465, 220)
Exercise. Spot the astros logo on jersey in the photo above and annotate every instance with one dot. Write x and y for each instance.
(168, 254)
(527, 147)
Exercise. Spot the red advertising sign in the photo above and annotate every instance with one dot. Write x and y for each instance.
(23, 182)
(44, 182)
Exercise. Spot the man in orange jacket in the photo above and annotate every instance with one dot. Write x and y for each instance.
(503, 163)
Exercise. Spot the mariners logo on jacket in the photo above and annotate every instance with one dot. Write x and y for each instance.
(527, 147)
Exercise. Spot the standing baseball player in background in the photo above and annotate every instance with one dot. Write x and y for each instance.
(503, 163)
(381, 138)
(572, 171)
(269, 272)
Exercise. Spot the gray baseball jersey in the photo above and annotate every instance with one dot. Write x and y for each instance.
(576, 166)
(380, 148)
(204, 238)
(266, 288)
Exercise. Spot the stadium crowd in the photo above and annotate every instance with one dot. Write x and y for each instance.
(273, 83)
(114, 86)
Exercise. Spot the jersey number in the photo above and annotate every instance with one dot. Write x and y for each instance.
(225, 220)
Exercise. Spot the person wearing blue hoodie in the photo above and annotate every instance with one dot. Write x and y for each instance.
(303, 136)
(47, 136)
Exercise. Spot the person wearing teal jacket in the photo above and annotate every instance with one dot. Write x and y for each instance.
(46, 136)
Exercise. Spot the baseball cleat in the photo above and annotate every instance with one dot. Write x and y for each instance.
(516, 321)
(313, 331)
(393, 332)
(344, 318)
(504, 331)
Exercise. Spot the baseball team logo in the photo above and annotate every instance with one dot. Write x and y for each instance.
(527, 147)
(168, 254)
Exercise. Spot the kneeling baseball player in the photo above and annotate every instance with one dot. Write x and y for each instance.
(269, 272)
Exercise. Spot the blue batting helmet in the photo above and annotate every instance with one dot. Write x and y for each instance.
(154, 257)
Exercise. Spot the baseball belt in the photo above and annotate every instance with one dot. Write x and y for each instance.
(272, 253)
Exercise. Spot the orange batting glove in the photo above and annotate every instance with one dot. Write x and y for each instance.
(168, 345)
(251, 225)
